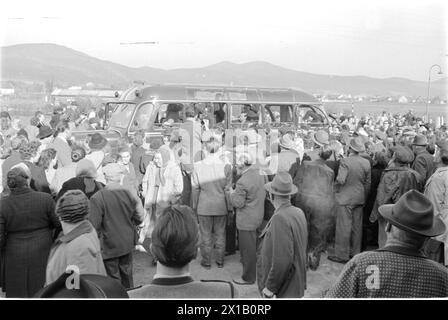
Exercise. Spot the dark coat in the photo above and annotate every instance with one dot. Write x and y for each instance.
(78, 183)
(282, 264)
(38, 178)
(115, 212)
(395, 182)
(9, 162)
(315, 197)
(424, 164)
(377, 172)
(27, 222)
(137, 154)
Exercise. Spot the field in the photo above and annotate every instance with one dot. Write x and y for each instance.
(365, 108)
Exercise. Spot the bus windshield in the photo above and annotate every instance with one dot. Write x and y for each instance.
(311, 115)
(122, 115)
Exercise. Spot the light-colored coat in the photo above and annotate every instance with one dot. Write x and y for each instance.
(79, 248)
(437, 192)
(97, 158)
(166, 194)
(191, 133)
(63, 150)
(209, 180)
(61, 175)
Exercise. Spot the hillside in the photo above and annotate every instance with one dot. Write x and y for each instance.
(41, 62)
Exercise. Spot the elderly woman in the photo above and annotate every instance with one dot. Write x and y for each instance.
(209, 180)
(162, 185)
(27, 222)
(85, 180)
(78, 244)
(315, 181)
(175, 244)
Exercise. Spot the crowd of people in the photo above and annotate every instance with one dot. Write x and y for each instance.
(366, 192)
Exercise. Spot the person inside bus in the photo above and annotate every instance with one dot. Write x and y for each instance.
(172, 111)
(219, 113)
(312, 116)
(251, 112)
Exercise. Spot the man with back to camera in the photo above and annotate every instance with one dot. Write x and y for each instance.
(400, 269)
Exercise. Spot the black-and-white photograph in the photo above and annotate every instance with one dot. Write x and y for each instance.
(220, 150)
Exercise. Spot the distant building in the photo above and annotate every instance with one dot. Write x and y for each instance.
(6, 89)
(403, 99)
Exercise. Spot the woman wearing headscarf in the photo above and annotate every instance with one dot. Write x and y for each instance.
(162, 185)
(78, 244)
(27, 223)
(85, 180)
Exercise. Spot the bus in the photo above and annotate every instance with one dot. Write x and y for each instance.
(154, 108)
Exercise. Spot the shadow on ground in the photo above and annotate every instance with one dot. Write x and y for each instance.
(317, 281)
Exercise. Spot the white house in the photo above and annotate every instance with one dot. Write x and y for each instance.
(403, 99)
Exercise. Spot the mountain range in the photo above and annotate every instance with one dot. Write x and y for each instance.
(65, 66)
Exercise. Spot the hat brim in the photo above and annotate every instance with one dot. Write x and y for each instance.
(437, 228)
(318, 142)
(44, 136)
(357, 150)
(98, 146)
(268, 187)
(285, 146)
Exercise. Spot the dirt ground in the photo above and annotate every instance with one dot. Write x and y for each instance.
(317, 281)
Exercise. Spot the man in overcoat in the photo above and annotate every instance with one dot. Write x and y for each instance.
(281, 268)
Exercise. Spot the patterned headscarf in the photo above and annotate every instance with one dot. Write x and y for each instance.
(73, 206)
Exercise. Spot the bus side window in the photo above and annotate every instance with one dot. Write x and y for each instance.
(219, 112)
(141, 118)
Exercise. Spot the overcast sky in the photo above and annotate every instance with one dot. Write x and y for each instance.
(375, 38)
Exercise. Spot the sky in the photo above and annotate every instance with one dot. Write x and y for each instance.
(376, 38)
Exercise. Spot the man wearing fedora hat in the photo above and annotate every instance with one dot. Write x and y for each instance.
(424, 162)
(286, 157)
(352, 187)
(281, 269)
(320, 139)
(400, 269)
